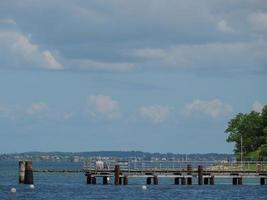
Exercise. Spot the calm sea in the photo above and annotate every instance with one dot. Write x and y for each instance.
(73, 187)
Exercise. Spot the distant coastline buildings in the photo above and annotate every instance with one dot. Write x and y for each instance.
(109, 155)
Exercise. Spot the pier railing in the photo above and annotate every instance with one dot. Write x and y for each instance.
(131, 165)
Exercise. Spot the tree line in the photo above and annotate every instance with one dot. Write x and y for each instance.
(252, 128)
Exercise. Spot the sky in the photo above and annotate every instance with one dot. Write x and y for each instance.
(149, 75)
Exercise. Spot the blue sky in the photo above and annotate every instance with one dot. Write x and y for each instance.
(157, 76)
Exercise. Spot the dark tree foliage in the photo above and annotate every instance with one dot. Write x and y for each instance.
(253, 129)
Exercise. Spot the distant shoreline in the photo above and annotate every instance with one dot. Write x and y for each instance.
(80, 156)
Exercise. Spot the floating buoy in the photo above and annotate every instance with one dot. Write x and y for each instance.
(144, 187)
(31, 186)
(108, 178)
(13, 190)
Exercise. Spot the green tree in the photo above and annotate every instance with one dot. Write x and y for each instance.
(252, 127)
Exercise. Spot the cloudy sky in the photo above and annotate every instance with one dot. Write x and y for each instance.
(151, 75)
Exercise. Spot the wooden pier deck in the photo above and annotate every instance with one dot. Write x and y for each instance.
(183, 177)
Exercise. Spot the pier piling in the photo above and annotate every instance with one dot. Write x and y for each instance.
(105, 180)
(176, 181)
(93, 180)
(200, 175)
(239, 180)
(117, 175)
(262, 181)
(206, 181)
(189, 181)
(21, 171)
(189, 172)
(28, 173)
(183, 181)
(234, 181)
(89, 178)
(212, 180)
(148, 180)
(156, 180)
(125, 180)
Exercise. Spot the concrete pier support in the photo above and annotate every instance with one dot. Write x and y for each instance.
(262, 181)
(105, 180)
(28, 173)
(93, 178)
(156, 180)
(189, 181)
(183, 181)
(234, 181)
(200, 175)
(88, 178)
(125, 180)
(148, 180)
(117, 175)
(237, 180)
(212, 180)
(176, 181)
(206, 181)
(21, 172)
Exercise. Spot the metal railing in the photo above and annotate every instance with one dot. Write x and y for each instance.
(98, 165)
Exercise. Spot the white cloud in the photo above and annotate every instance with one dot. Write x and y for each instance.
(259, 21)
(16, 50)
(187, 35)
(104, 106)
(214, 108)
(224, 27)
(156, 113)
(18, 111)
(87, 64)
(37, 108)
(257, 106)
(7, 21)
(207, 56)
(51, 61)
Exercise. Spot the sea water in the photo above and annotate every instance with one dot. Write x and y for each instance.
(59, 186)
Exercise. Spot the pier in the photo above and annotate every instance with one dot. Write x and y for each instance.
(182, 172)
